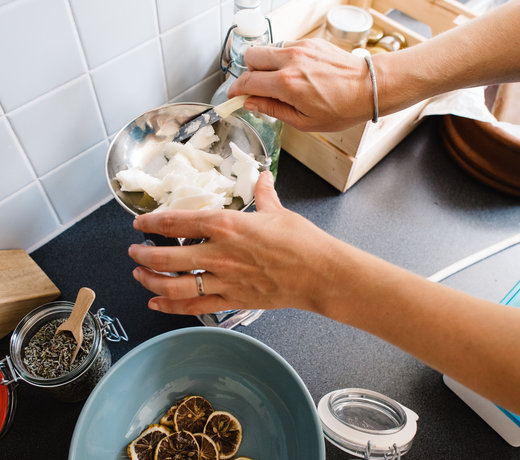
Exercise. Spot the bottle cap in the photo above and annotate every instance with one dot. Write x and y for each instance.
(250, 23)
(241, 4)
(367, 424)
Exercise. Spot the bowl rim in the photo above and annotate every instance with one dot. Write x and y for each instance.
(197, 330)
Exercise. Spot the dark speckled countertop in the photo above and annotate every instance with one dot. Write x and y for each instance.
(416, 209)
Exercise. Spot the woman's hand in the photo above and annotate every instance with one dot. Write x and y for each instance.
(272, 258)
(310, 84)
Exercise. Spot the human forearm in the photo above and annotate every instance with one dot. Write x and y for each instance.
(483, 51)
(470, 339)
(253, 260)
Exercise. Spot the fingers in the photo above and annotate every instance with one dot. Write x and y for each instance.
(178, 287)
(266, 197)
(167, 258)
(194, 306)
(259, 83)
(266, 57)
(197, 224)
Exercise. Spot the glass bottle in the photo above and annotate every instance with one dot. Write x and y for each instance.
(250, 28)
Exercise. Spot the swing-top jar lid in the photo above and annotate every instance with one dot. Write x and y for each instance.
(250, 23)
(367, 424)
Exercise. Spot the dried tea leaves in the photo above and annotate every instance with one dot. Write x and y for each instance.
(49, 356)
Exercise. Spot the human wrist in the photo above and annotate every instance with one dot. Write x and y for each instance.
(399, 84)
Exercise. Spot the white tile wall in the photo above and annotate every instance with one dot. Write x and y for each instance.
(16, 171)
(38, 50)
(72, 73)
(58, 125)
(186, 65)
(78, 184)
(130, 85)
(121, 25)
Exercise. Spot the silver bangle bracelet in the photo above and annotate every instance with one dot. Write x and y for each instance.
(368, 59)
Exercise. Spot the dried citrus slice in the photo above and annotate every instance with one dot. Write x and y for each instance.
(180, 445)
(226, 431)
(192, 414)
(143, 447)
(207, 448)
(242, 458)
(167, 418)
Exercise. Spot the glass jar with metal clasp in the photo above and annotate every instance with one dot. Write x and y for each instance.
(367, 424)
(73, 386)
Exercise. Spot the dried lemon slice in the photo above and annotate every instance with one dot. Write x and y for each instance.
(143, 447)
(167, 418)
(207, 448)
(192, 414)
(180, 445)
(226, 431)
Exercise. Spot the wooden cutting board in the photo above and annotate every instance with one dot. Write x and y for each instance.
(23, 287)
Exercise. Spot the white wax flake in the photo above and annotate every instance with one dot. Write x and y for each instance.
(191, 178)
(147, 152)
(245, 168)
(203, 138)
(193, 127)
(135, 180)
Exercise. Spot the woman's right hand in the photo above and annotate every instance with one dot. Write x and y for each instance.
(310, 84)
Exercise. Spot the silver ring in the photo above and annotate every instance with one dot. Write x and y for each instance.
(280, 44)
(200, 286)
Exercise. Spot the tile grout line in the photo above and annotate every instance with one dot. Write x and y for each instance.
(161, 49)
(86, 66)
(36, 178)
(89, 71)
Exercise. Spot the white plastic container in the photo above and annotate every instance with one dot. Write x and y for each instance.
(504, 422)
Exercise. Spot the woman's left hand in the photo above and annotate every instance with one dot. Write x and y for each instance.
(271, 258)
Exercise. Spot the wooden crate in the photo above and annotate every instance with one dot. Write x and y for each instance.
(342, 158)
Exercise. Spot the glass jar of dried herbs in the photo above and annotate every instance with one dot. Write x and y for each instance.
(43, 360)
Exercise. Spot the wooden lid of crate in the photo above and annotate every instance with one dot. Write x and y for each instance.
(23, 287)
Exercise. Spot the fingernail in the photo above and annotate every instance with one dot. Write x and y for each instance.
(136, 273)
(268, 175)
(132, 250)
(135, 222)
(152, 304)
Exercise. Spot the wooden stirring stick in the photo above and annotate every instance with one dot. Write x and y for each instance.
(74, 323)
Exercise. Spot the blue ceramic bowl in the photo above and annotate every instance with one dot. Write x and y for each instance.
(233, 371)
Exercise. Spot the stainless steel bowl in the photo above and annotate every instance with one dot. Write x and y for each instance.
(160, 125)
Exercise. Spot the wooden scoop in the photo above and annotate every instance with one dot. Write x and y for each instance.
(74, 323)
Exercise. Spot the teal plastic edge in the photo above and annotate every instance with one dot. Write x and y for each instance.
(513, 299)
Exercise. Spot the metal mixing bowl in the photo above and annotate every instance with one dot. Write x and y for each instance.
(160, 125)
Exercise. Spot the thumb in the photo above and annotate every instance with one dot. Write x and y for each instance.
(266, 198)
